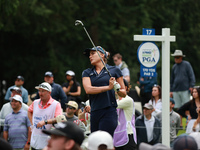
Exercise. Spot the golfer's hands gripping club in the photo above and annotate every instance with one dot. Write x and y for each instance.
(114, 84)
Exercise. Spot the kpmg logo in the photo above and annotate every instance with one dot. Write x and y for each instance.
(148, 54)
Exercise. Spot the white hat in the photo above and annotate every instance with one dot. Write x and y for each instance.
(70, 72)
(178, 53)
(17, 98)
(45, 86)
(98, 138)
(73, 104)
(196, 136)
(158, 146)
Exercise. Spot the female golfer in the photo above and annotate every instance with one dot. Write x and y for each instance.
(99, 85)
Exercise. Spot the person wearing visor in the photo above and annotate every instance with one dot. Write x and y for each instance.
(42, 113)
(57, 92)
(101, 90)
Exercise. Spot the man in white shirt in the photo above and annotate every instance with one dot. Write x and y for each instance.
(148, 127)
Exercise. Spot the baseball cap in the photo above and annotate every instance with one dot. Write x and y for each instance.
(45, 86)
(70, 72)
(20, 78)
(158, 146)
(67, 129)
(17, 89)
(48, 73)
(148, 106)
(172, 100)
(98, 138)
(17, 98)
(73, 104)
(183, 142)
(99, 48)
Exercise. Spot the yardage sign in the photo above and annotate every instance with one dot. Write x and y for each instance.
(148, 55)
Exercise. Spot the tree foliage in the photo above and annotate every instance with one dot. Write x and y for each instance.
(40, 35)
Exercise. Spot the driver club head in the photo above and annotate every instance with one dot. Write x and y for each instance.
(77, 22)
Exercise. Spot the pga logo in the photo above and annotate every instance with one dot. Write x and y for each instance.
(148, 54)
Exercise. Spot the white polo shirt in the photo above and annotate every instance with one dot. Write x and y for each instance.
(149, 127)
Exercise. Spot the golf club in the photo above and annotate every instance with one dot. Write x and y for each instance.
(116, 85)
(77, 22)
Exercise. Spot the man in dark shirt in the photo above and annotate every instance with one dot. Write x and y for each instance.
(182, 79)
(57, 92)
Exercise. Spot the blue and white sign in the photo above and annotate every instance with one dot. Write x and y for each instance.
(148, 55)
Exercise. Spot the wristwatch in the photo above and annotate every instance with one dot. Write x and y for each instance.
(45, 121)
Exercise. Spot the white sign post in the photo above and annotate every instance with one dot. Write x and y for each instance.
(165, 38)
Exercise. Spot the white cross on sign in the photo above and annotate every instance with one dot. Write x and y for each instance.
(165, 38)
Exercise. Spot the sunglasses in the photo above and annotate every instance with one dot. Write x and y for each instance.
(70, 107)
(43, 86)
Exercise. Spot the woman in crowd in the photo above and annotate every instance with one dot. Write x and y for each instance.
(99, 85)
(72, 88)
(191, 106)
(156, 99)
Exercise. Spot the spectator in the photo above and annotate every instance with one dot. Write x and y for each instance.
(156, 100)
(99, 85)
(41, 114)
(146, 85)
(72, 88)
(196, 125)
(100, 140)
(181, 71)
(17, 125)
(7, 108)
(117, 58)
(185, 142)
(147, 126)
(175, 121)
(66, 136)
(191, 106)
(125, 133)
(72, 106)
(84, 116)
(57, 92)
(18, 83)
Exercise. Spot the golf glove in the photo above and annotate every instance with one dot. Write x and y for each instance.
(116, 86)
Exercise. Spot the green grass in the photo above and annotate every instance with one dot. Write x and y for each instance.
(184, 124)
